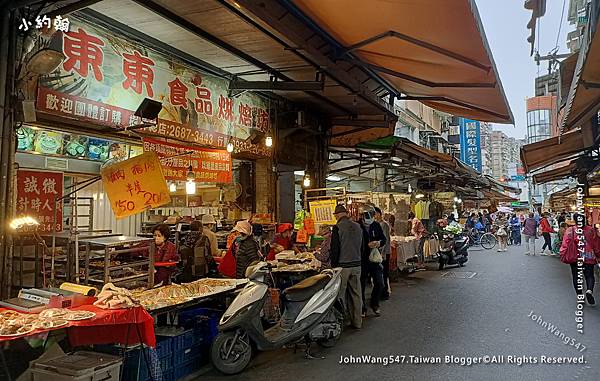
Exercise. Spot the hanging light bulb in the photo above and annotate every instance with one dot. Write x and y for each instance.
(269, 141)
(190, 174)
(306, 181)
(230, 147)
(173, 187)
(190, 187)
(409, 189)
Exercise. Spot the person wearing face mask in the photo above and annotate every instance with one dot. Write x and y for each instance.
(166, 256)
(245, 248)
(374, 238)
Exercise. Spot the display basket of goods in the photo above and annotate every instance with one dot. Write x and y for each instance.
(14, 324)
(173, 294)
(290, 256)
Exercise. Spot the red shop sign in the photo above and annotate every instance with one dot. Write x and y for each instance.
(208, 165)
(37, 192)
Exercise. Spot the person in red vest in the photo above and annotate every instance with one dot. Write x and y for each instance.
(282, 240)
(546, 231)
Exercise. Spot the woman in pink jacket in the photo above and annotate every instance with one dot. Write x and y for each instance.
(569, 254)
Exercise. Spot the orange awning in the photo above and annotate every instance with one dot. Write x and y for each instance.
(549, 151)
(584, 95)
(434, 51)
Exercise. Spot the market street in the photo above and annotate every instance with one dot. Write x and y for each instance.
(430, 315)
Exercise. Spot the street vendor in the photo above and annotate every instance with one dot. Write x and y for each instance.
(282, 241)
(166, 257)
(208, 223)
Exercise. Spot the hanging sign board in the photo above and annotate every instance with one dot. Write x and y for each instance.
(208, 165)
(36, 195)
(322, 212)
(135, 185)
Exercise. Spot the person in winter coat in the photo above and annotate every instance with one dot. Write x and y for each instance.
(570, 254)
(515, 230)
(501, 226)
(529, 232)
(166, 253)
(245, 248)
(546, 231)
(373, 238)
(345, 252)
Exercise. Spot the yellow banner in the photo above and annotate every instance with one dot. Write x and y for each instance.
(322, 212)
(135, 185)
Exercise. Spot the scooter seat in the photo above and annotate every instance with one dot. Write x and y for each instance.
(305, 289)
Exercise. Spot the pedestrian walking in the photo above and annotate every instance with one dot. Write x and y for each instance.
(373, 241)
(418, 231)
(386, 252)
(546, 229)
(530, 232)
(515, 230)
(570, 252)
(501, 226)
(346, 252)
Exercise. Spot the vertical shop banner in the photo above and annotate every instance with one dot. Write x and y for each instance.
(470, 143)
(208, 165)
(37, 192)
(322, 212)
(135, 185)
(105, 77)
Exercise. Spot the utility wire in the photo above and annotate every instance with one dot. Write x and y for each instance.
(562, 16)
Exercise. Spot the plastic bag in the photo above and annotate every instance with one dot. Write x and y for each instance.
(299, 220)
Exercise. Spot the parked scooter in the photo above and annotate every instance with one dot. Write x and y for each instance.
(453, 249)
(312, 312)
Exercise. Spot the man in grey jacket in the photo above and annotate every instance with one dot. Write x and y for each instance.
(346, 245)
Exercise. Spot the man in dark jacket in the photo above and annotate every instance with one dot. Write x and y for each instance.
(373, 238)
(245, 249)
(346, 249)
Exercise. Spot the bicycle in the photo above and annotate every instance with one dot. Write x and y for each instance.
(487, 240)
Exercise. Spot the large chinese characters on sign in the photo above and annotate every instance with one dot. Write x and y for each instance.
(208, 165)
(470, 143)
(104, 78)
(37, 193)
(135, 185)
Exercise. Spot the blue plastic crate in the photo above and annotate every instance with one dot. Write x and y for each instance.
(186, 355)
(183, 341)
(135, 366)
(187, 368)
(204, 321)
(164, 346)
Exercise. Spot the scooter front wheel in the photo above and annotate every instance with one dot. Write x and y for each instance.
(231, 352)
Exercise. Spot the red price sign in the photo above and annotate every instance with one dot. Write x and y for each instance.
(37, 192)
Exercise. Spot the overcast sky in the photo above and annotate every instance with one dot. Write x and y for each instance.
(505, 24)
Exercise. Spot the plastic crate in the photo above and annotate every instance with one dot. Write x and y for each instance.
(204, 321)
(183, 341)
(135, 366)
(187, 368)
(186, 355)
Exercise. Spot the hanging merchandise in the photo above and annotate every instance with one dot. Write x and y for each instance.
(299, 220)
(309, 224)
